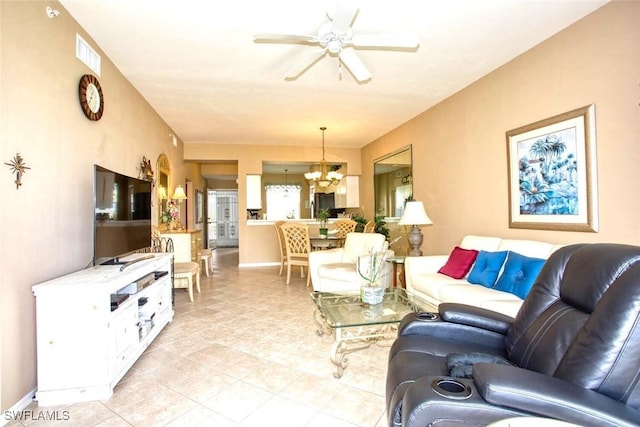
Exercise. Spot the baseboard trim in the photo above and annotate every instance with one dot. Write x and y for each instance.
(258, 264)
(19, 406)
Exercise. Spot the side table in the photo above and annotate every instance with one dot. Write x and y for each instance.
(398, 264)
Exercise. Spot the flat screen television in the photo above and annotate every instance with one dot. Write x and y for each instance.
(122, 215)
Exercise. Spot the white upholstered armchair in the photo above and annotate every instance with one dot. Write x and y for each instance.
(334, 270)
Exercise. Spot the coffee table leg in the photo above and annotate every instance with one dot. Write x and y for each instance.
(338, 353)
(344, 343)
(321, 324)
(341, 348)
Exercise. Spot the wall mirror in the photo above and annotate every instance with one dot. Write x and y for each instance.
(164, 184)
(393, 182)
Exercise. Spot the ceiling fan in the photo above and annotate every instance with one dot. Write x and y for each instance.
(336, 38)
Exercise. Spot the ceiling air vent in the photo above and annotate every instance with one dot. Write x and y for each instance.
(87, 55)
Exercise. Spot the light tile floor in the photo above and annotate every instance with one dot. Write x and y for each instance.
(244, 353)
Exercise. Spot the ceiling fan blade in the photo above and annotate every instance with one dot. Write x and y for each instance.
(304, 64)
(343, 16)
(284, 38)
(354, 65)
(407, 41)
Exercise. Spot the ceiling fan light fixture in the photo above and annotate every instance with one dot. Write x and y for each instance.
(334, 46)
(336, 39)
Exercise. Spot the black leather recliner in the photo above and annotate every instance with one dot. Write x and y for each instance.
(572, 353)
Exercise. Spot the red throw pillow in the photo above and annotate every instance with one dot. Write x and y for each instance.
(459, 262)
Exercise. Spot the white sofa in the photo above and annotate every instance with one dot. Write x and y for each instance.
(422, 277)
(334, 270)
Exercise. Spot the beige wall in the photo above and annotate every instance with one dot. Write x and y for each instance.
(459, 146)
(48, 223)
(193, 181)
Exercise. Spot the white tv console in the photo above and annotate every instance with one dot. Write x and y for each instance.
(85, 347)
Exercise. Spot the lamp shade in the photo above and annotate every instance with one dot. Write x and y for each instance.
(414, 214)
(179, 193)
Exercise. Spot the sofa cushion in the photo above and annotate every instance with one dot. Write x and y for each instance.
(431, 284)
(476, 295)
(459, 262)
(486, 268)
(519, 274)
(485, 243)
(530, 248)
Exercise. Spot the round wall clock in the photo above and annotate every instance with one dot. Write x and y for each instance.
(91, 98)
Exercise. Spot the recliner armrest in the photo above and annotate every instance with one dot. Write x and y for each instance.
(475, 316)
(530, 391)
(471, 332)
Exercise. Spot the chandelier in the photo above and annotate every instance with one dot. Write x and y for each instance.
(323, 178)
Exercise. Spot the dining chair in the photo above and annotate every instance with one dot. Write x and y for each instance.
(298, 246)
(281, 244)
(370, 227)
(344, 226)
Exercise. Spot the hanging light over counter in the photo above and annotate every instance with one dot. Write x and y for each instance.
(323, 178)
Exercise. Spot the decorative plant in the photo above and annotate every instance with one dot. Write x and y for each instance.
(322, 216)
(370, 266)
(361, 220)
(381, 226)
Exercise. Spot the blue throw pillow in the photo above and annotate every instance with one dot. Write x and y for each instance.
(519, 274)
(485, 270)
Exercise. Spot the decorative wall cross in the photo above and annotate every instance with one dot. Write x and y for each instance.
(19, 167)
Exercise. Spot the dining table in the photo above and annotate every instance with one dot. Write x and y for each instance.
(319, 242)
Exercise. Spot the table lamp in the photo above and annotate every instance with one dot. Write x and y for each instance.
(179, 194)
(415, 215)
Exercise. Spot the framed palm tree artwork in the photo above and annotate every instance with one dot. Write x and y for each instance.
(552, 173)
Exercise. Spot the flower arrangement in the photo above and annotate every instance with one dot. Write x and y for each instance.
(172, 213)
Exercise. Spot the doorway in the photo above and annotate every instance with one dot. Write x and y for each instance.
(222, 221)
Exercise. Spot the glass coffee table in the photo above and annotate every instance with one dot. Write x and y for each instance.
(356, 325)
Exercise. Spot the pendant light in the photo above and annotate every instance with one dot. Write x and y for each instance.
(323, 178)
(286, 186)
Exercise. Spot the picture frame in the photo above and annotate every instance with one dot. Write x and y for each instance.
(199, 207)
(552, 173)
